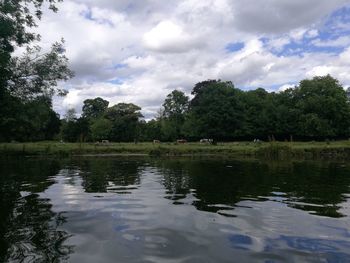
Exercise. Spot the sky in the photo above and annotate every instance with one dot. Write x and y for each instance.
(139, 51)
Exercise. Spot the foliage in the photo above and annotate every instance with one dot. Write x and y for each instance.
(31, 121)
(71, 115)
(125, 118)
(217, 107)
(74, 129)
(16, 17)
(37, 73)
(27, 83)
(101, 129)
(174, 110)
(94, 108)
(150, 130)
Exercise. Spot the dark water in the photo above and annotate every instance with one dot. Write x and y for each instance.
(146, 210)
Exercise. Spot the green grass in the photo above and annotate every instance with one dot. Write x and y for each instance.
(275, 150)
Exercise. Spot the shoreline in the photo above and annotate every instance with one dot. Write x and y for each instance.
(262, 150)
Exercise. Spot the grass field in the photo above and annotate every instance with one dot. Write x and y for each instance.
(281, 150)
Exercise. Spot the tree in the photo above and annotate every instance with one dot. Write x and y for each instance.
(101, 129)
(33, 75)
(16, 18)
(71, 115)
(255, 117)
(32, 121)
(323, 106)
(125, 118)
(94, 108)
(37, 73)
(150, 130)
(175, 104)
(175, 107)
(218, 110)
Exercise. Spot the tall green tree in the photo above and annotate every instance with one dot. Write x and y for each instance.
(125, 121)
(324, 108)
(101, 129)
(217, 110)
(173, 116)
(94, 108)
(255, 115)
(34, 74)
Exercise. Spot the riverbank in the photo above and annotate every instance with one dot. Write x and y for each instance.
(274, 150)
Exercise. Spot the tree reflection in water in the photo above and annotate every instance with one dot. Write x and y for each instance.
(124, 203)
(316, 187)
(29, 229)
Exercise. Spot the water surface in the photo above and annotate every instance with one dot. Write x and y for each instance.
(178, 210)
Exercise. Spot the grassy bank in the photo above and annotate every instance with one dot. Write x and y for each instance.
(275, 150)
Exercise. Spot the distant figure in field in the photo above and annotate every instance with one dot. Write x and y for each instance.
(156, 141)
(181, 141)
(206, 141)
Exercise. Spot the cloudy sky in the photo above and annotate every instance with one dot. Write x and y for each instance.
(139, 51)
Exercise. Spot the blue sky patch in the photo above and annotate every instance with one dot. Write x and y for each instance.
(234, 47)
(88, 15)
(117, 81)
(336, 26)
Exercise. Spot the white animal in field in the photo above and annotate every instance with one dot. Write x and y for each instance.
(208, 141)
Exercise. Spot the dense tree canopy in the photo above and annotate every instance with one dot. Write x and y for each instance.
(316, 109)
(28, 82)
(173, 114)
(216, 110)
(94, 108)
(125, 121)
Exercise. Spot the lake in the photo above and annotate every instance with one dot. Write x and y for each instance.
(138, 209)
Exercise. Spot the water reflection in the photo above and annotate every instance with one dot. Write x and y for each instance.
(29, 229)
(152, 210)
(104, 175)
(314, 187)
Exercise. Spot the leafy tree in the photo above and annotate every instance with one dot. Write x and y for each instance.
(26, 79)
(37, 73)
(74, 129)
(125, 118)
(101, 129)
(71, 115)
(217, 109)
(16, 18)
(175, 104)
(94, 108)
(151, 130)
(323, 106)
(31, 121)
(256, 117)
(173, 116)
(53, 125)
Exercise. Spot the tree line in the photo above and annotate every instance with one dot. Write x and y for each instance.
(315, 109)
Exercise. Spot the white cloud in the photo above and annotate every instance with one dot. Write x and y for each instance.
(169, 37)
(138, 51)
(280, 16)
(342, 41)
